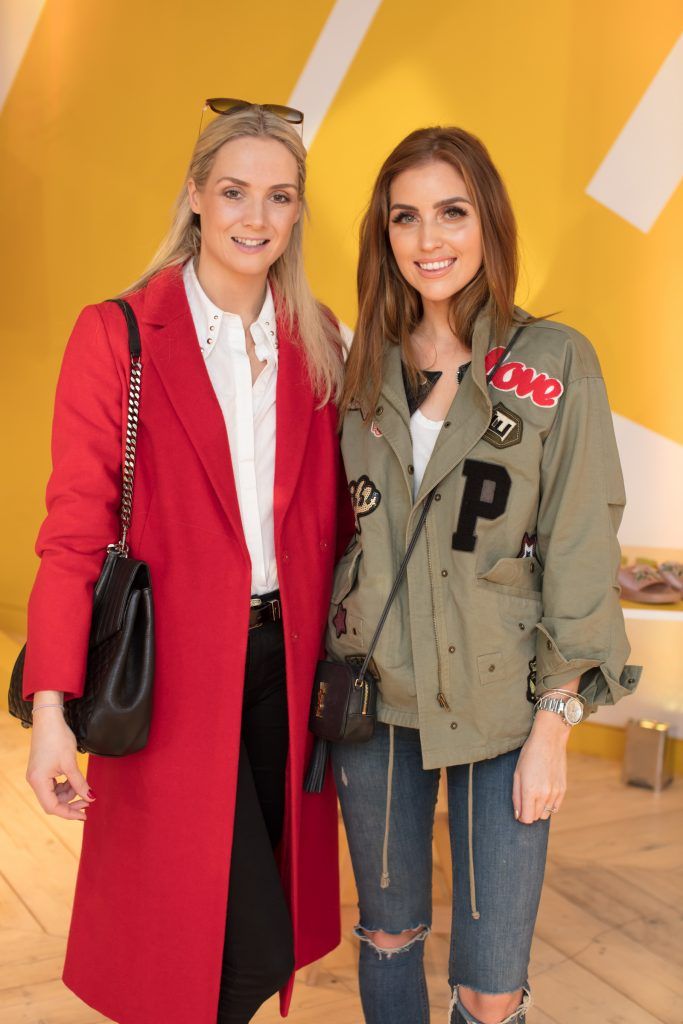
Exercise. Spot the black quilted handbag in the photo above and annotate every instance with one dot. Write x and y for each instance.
(112, 717)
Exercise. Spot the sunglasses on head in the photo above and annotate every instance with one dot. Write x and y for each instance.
(223, 105)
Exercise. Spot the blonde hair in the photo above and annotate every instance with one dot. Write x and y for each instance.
(315, 327)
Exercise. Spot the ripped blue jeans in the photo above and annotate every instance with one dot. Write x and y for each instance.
(388, 803)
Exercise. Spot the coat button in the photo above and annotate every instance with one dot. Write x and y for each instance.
(295, 636)
(437, 497)
(447, 423)
(379, 410)
(549, 645)
(411, 470)
(521, 625)
(452, 648)
(454, 725)
(323, 545)
(492, 668)
(444, 572)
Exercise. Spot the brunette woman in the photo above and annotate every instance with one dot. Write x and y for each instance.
(235, 511)
(509, 606)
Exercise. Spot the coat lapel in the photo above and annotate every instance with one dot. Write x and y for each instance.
(294, 409)
(171, 342)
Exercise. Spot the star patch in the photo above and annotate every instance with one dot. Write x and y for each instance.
(505, 428)
(339, 621)
(528, 548)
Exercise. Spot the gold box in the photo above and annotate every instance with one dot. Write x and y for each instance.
(648, 755)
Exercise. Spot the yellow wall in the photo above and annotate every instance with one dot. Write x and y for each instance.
(104, 108)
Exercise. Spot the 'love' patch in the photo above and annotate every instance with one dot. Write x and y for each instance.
(525, 381)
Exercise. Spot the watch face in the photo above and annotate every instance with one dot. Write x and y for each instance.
(573, 711)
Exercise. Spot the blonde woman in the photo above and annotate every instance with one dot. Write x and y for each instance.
(207, 875)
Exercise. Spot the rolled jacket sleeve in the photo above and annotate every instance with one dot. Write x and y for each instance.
(582, 500)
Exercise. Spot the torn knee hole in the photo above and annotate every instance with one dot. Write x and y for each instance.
(387, 944)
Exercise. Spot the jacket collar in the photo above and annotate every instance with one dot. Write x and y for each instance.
(465, 423)
(171, 344)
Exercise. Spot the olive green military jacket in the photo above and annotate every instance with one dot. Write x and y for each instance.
(511, 589)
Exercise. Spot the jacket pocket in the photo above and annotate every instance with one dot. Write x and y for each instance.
(344, 629)
(346, 574)
(518, 577)
(492, 668)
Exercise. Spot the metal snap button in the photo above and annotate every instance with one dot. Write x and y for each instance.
(447, 423)
(379, 410)
(444, 572)
(454, 725)
(492, 668)
(411, 470)
(549, 645)
(451, 648)
(521, 625)
(437, 497)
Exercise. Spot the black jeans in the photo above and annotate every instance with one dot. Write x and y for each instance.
(258, 955)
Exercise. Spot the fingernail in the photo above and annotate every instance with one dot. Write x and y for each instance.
(517, 815)
(91, 795)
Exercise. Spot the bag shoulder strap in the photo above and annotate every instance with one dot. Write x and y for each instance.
(421, 521)
(135, 349)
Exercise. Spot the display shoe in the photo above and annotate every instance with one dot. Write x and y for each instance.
(672, 572)
(645, 585)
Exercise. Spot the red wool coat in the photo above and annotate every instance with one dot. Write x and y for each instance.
(148, 922)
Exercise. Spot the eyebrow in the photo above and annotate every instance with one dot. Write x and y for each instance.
(245, 184)
(442, 202)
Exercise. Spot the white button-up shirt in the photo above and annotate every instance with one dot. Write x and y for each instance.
(249, 413)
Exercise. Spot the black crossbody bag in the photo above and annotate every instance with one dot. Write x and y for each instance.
(344, 703)
(113, 716)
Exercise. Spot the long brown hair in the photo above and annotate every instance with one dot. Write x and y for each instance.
(316, 329)
(389, 308)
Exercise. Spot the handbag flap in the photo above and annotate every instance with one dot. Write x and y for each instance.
(119, 578)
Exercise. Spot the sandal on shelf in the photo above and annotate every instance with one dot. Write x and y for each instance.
(672, 573)
(645, 585)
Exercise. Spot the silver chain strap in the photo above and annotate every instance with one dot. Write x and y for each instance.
(129, 459)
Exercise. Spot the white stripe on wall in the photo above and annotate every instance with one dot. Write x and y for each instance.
(329, 61)
(18, 18)
(653, 473)
(645, 165)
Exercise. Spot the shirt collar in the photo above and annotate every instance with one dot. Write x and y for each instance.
(211, 318)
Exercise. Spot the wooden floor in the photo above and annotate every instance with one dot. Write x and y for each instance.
(608, 947)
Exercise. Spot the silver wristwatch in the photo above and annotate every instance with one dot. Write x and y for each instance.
(571, 708)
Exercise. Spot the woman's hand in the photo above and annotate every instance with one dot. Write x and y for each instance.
(53, 753)
(540, 780)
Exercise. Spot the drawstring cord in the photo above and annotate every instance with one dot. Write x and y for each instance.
(470, 802)
(384, 880)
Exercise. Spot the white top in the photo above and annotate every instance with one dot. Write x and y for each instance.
(424, 433)
(249, 413)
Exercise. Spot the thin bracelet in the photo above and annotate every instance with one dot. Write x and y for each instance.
(39, 706)
(565, 693)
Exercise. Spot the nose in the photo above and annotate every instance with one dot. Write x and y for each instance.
(255, 214)
(429, 238)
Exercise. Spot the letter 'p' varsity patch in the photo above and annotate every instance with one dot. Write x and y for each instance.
(505, 428)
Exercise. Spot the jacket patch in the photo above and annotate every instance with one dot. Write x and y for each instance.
(365, 498)
(524, 381)
(374, 430)
(339, 621)
(505, 428)
(528, 548)
(531, 682)
(487, 489)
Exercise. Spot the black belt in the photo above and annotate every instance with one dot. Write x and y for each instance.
(265, 608)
